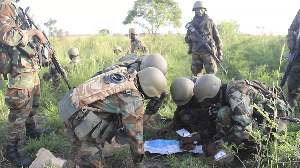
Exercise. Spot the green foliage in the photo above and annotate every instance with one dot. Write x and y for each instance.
(153, 14)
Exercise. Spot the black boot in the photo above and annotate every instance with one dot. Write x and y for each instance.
(33, 133)
(15, 157)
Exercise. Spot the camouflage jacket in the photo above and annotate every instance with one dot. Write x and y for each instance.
(130, 107)
(241, 97)
(138, 44)
(293, 31)
(206, 26)
(194, 115)
(76, 61)
(154, 103)
(12, 35)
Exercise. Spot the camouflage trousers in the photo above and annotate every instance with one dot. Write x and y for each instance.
(23, 104)
(202, 58)
(293, 83)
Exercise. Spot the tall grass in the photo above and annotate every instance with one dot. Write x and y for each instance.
(254, 57)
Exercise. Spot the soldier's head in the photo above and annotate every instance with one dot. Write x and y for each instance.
(199, 8)
(155, 60)
(207, 89)
(73, 52)
(182, 90)
(152, 82)
(133, 33)
(117, 50)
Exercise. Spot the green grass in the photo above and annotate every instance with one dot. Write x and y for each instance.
(254, 57)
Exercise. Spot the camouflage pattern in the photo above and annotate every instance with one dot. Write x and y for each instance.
(137, 44)
(202, 57)
(235, 123)
(129, 106)
(76, 61)
(155, 103)
(23, 93)
(293, 80)
(196, 118)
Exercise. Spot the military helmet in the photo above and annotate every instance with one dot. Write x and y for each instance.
(207, 86)
(118, 48)
(155, 60)
(152, 81)
(132, 31)
(73, 52)
(182, 90)
(198, 4)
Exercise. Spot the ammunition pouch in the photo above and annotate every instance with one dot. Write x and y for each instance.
(65, 109)
(101, 127)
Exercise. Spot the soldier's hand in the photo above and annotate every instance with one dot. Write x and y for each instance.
(220, 55)
(165, 130)
(188, 140)
(188, 147)
(211, 149)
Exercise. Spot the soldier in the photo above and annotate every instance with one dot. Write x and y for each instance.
(112, 97)
(23, 92)
(132, 61)
(117, 50)
(53, 76)
(238, 117)
(73, 55)
(200, 56)
(293, 80)
(136, 44)
(190, 114)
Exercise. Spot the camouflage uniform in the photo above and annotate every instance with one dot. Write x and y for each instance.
(293, 80)
(137, 44)
(155, 103)
(193, 117)
(202, 57)
(23, 93)
(238, 117)
(130, 108)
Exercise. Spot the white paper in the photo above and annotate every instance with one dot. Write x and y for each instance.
(184, 133)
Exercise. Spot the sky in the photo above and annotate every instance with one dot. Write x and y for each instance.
(87, 17)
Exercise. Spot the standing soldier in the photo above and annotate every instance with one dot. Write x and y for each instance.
(73, 55)
(200, 56)
(94, 110)
(23, 92)
(136, 44)
(293, 80)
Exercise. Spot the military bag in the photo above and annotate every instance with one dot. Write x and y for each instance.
(102, 86)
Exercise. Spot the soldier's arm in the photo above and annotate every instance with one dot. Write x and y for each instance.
(217, 38)
(155, 103)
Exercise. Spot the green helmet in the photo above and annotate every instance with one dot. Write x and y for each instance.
(132, 31)
(182, 90)
(152, 81)
(207, 86)
(198, 4)
(73, 52)
(155, 60)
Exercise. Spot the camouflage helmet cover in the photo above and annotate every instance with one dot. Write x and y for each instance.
(152, 81)
(198, 4)
(73, 51)
(207, 86)
(182, 90)
(155, 60)
(132, 31)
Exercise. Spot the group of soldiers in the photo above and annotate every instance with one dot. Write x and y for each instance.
(220, 113)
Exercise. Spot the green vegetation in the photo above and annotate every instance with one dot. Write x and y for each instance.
(258, 57)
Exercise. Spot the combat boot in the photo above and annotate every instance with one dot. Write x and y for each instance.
(147, 126)
(15, 157)
(108, 148)
(34, 133)
(45, 158)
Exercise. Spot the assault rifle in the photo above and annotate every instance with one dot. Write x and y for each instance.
(54, 59)
(258, 116)
(292, 58)
(202, 42)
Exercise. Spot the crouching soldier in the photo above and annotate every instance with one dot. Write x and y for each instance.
(94, 110)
